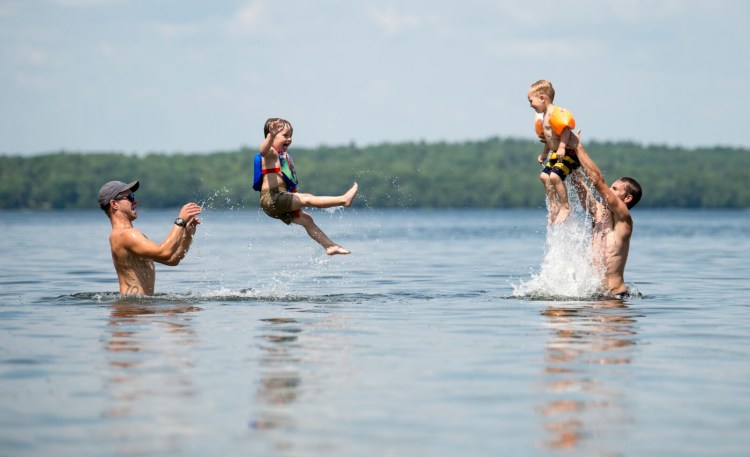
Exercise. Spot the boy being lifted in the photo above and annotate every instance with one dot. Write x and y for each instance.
(554, 127)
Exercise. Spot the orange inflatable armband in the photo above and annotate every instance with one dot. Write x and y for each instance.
(539, 125)
(561, 118)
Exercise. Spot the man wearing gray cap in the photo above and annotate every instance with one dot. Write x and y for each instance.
(132, 253)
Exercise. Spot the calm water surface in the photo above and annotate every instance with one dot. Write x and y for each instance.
(414, 345)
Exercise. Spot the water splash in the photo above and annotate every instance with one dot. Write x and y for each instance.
(334, 210)
(568, 270)
(219, 199)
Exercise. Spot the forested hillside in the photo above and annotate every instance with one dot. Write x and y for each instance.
(492, 173)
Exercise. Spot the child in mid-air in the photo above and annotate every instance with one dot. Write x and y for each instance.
(554, 127)
(276, 181)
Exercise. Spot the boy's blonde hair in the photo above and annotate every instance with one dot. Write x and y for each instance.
(543, 87)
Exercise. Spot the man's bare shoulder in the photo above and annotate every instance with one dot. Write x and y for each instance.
(620, 211)
(124, 236)
(623, 221)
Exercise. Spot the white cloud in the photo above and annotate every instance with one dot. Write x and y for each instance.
(561, 48)
(31, 80)
(247, 19)
(7, 9)
(84, 3)
(463, 57)
(32, 56)
(392, 22)
(106, 49)
(172, 31)
(647, 10)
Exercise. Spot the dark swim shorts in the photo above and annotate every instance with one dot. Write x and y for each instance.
(277, 203)
(563, 167)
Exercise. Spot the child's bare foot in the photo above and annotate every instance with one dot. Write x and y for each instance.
(552, 215)
(349, 196)
(336, 249)
(563, 214)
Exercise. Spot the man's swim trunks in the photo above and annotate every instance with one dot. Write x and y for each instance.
(277, 203)
(564, 167)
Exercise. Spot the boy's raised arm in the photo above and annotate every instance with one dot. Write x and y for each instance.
(265, 147)
(273, 130)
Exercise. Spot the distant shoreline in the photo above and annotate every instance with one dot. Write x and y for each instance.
(502, 173)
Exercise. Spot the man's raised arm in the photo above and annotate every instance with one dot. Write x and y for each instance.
(615, 205)
(185, 242)
(135, 242)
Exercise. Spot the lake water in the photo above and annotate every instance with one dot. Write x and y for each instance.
(423, 342)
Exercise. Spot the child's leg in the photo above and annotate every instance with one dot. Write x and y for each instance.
(306, 221)
(562, 195)
(549, 189)
(310, 200)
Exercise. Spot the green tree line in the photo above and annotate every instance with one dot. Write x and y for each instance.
(492, 173)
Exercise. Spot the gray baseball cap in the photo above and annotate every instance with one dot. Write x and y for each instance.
(112, 189)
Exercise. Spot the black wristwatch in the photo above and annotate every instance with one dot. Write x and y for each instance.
(180, 221)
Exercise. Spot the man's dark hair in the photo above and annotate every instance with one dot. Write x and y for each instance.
(633, 189)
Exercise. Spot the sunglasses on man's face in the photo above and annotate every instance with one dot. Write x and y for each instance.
(130, 197)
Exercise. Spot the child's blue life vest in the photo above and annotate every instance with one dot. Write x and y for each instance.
(286, 170)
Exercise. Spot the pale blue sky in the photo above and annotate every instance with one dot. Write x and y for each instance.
(200, 75)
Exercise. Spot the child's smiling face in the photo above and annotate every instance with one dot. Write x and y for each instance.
(283, 139)
(538, 102)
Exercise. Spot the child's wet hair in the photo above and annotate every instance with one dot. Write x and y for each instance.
(543, 87)
(271, 120)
